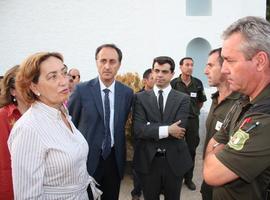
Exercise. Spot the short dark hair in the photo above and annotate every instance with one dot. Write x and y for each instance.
(147, 73)
(113, 46)
(163, 60)
(183, 59)
(218, 50)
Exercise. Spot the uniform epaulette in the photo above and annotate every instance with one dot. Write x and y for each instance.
(261, 107)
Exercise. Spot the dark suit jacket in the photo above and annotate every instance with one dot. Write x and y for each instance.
(147, 120)
(85, 107)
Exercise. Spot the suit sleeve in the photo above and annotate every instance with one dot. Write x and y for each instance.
(130, 101)
(183, 111)
(142, 129)
(75, 106)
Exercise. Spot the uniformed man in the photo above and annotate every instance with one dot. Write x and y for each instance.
(194, 88)
(237, 159)
(222, 101)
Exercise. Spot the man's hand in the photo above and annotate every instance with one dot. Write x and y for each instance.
(176, 131)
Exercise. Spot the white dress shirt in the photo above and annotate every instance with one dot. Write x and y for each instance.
(48, 159)
(163, 130)
(111, 97)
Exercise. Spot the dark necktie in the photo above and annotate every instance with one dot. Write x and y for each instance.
(160, 103)
(106, 145)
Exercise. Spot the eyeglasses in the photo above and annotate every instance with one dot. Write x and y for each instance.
(74, 77)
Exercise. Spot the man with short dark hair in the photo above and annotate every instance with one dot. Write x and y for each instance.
(161, 156)
(237, 159)
(222, 101)
(99, 109)
(194, 88)
(148, 80)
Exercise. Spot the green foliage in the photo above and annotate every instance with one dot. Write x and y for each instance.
(133, 81)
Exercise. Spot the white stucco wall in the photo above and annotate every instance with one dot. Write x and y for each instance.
(142, 29)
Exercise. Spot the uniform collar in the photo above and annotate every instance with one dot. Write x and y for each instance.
(264, 94)
(233, 95)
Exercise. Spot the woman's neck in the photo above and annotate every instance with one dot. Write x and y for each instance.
(22, 107)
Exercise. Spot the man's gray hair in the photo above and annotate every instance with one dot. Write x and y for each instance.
(256, 34)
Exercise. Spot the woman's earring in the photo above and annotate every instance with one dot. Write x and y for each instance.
(14, 99)
(38, 94)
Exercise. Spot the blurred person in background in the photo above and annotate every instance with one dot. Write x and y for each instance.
(148, 80)
(74, 78)
(75, 75)
(193, 87)
(11, 108)
(48, 153)
(1, 78)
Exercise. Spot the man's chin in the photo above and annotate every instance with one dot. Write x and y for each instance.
(160, 85)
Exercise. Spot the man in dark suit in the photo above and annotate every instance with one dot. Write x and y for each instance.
(161, 156)
(99, 109)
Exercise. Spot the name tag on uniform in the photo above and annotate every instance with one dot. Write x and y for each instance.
(193, 94)
(218, 125)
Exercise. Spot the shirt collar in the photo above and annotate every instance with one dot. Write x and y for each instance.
(215, 95)
(102, 86)
(48, 110)
(165, 90)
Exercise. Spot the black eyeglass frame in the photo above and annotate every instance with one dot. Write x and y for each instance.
(74, 76)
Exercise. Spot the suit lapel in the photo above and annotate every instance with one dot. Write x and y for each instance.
(117, 102)
(170, 104)
(97, 96)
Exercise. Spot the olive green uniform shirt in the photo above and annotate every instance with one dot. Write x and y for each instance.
(217, 114)
(247, 150)
(195, 90)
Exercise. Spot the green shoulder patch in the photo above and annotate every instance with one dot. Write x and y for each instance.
(238, 140)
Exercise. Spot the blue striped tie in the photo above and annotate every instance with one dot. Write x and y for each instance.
(106, 145)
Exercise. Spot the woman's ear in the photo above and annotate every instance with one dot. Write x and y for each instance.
(13, 92)
(34, 89)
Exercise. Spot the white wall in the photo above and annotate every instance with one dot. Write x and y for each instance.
(142, 29)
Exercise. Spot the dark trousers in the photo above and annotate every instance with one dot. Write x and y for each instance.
(193, 140)
(107, 177)
(206, 191)
(160, 177)
(137, 190)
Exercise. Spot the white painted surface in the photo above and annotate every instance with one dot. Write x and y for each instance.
(142, 29)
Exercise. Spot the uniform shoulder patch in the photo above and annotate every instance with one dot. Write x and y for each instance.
(238, 140)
